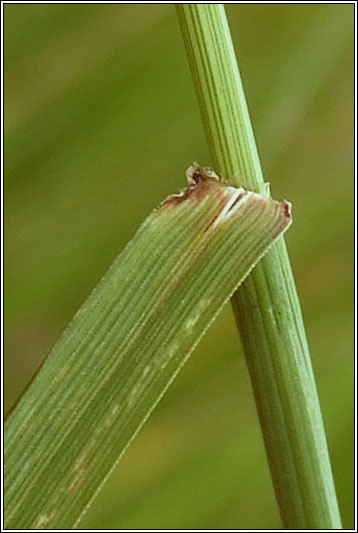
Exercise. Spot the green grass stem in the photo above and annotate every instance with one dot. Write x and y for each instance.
(266, 306)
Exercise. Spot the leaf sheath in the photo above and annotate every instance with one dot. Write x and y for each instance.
(126, 344)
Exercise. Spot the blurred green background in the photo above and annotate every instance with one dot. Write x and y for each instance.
(101, 121)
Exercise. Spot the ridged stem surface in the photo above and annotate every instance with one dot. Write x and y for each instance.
(266, 306)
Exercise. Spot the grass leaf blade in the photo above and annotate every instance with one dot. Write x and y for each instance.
(126, 345)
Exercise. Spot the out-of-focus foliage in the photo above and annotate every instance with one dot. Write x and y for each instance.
(100, 123)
